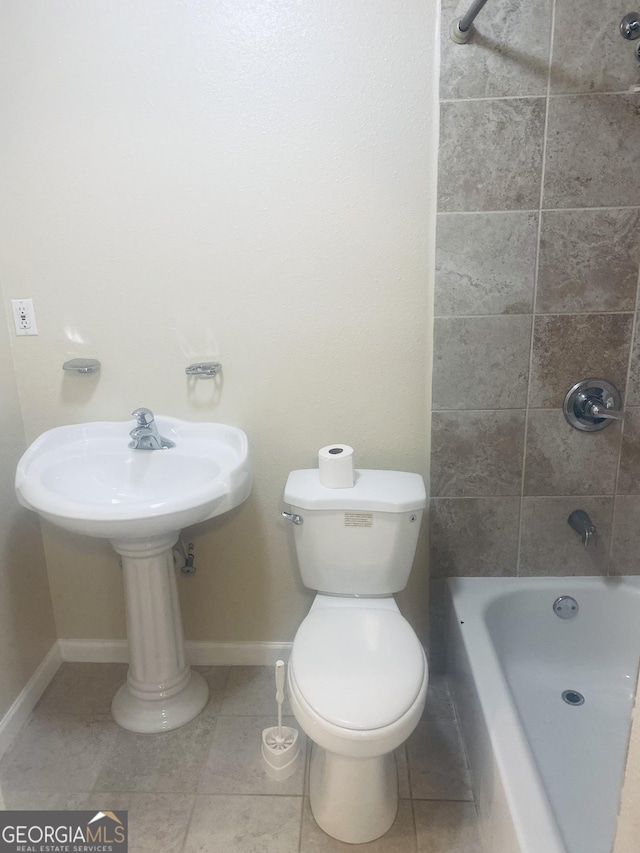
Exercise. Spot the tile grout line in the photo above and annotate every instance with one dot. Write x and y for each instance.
(535, 287)
(301, 827)
(524, 210)
(540, 96)
(508, 409)
(493, 497)
(189, 823)
(629, 311)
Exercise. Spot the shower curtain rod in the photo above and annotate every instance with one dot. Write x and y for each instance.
(462, 30)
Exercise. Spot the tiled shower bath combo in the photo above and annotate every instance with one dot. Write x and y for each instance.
(537, 255)
(537, 261)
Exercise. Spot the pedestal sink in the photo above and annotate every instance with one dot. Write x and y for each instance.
(86, 479)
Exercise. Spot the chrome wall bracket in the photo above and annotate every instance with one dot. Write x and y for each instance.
(82, 366)
(204, 369)
(592, 404)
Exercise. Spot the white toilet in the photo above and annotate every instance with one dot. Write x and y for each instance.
(357, 674)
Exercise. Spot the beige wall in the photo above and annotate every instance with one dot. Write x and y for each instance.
(247, 182)
(27, 629)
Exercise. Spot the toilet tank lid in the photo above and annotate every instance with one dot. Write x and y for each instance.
(373, 491)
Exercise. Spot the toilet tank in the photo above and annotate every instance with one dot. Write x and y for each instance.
(360, 540)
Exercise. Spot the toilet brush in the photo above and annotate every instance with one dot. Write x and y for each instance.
(280, 744)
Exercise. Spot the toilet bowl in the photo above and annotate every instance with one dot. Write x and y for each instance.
(357, 684)
(357, 673)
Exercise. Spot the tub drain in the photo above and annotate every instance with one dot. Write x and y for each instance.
(572, 697)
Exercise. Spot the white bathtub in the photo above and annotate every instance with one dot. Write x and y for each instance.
(546, 774)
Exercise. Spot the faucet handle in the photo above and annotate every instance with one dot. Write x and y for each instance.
(143, 416)
(592, 404)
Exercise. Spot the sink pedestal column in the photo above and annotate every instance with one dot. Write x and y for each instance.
(161, 692)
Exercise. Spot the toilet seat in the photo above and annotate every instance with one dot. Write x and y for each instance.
(358, 668)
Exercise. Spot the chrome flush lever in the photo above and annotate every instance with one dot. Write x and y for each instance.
(291, 516)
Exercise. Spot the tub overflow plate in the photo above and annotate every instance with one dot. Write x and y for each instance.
(566, 607)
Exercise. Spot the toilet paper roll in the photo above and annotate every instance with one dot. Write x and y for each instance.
(335, 463)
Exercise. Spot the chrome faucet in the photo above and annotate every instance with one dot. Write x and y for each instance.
(145, 434)
(580, 522)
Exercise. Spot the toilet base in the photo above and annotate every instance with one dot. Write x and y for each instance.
(353, 799)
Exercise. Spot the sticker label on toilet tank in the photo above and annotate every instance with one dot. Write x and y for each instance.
(358, 519)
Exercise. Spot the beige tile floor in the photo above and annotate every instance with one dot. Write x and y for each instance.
(202, 788)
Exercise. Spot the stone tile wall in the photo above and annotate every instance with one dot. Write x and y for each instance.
(538, 253)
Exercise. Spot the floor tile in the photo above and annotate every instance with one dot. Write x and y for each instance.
(402, 765)
(437, 765)
(234, 764)
(401, 838)
(445, 827)
(58, 753)
(46, 800)
(156, 822)
(217, 678)
(251, 690)
(83, 688)
(439, 702)
(236, 824)
(204, 788)
(168, 761)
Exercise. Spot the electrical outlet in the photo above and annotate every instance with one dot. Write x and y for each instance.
(24, 317)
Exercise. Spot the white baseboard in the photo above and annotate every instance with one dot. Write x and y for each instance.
(237, 654)
(198, 653)
(94, 651)
(26, 701)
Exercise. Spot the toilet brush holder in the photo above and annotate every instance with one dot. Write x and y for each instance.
(280, 744)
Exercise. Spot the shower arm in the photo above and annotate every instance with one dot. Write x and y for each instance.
(462, 29)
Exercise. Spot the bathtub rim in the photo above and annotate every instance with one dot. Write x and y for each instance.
(478, 593)
(530, 812)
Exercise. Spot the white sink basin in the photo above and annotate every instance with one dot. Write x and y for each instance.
(86, 479)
